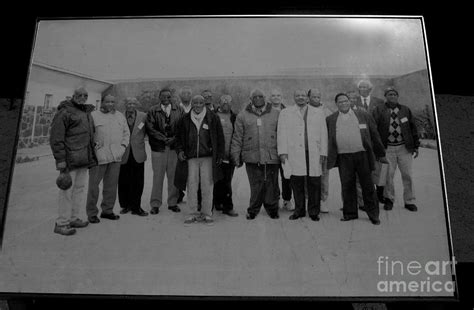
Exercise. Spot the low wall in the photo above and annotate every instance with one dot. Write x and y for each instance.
(42, 126)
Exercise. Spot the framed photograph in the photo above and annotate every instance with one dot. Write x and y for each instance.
(255, 251)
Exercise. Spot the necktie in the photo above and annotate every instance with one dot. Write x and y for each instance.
(366, 107)
(130, 119)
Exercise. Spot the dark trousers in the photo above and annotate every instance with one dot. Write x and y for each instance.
(130, 184)
(285, 186)
(264, 187)
(313, 185)
(350, 165)
(223, 188)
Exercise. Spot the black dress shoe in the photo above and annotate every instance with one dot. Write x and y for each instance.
(314, 217)
(140, 212)
(230, 212)
(125, 210)
(349, 218)
(295, 216)
(94, 220)
(374, 221)
(110, 216)
(250, 216)
(174, 208)
(411, 207)
(274, 216)
(388, 204)
(154, 210)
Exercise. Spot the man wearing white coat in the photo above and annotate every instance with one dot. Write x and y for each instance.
(303, 141)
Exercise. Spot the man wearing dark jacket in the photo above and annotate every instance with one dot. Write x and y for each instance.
(200, 143)
(276, 99)
(223, 188)
(366, 102)
(399, 135)
(72, 143)
(161, 124)
(353, 146)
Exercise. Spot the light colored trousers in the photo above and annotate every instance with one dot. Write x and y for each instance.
(200, 170)
(399, 156)
(163, 163)
(108, 174)
(71, 200)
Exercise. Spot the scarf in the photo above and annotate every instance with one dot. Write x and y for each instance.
(198, 118)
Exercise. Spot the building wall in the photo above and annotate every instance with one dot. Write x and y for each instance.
(38, 90)
(42, 126)
(60, 85)
(240, 88)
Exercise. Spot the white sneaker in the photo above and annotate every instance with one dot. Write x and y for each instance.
(324, 207)
(288, 205)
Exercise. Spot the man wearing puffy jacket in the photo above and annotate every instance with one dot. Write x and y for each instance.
(254, 143)
(71, 141)
(111, 137)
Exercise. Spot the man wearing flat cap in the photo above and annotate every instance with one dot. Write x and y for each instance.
(72, 143)
(396, 125)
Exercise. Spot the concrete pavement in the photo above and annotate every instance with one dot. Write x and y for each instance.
(158, 255)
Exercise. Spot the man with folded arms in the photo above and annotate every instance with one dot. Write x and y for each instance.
(353, 146)
(161, 127)
(111, 137)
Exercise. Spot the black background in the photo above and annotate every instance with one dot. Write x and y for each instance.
(449, 35)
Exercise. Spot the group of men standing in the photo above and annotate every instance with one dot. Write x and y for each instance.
(198, 145)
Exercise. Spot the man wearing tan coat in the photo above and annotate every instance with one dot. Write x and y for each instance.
(111, 138)
(302, 141)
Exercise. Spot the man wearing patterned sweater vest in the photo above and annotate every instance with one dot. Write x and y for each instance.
(399, 135)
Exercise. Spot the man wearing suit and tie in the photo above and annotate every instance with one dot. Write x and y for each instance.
(354, 145)
(368, 103)
(365, 100)
(132, 171)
